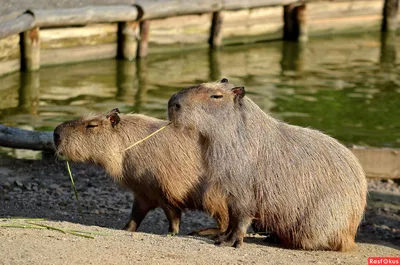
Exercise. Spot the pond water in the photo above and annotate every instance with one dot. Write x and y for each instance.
(348, 87)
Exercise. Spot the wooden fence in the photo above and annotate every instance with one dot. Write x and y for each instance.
(287, 19)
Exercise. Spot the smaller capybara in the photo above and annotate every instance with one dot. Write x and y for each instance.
(163, 171)
(298, 182)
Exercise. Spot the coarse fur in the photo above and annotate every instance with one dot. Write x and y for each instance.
(298, 182)
(163, 171)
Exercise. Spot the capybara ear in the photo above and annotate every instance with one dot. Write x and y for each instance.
(224, 80)
(116, 110)
(239, 92)
(113, 117)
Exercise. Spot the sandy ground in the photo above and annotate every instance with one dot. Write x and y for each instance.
(41, 188)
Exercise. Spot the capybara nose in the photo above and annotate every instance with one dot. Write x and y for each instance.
(56, 138)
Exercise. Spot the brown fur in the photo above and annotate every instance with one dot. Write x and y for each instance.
(297, 182)
(163, 171)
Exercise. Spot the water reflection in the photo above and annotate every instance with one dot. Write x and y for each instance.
(347, 87)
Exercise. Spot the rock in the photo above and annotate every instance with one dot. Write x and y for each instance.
(18, 183)
(54, 186)
(16, 189)
(6, 185)
(8, 197)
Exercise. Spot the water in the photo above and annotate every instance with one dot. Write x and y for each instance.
(348, 87)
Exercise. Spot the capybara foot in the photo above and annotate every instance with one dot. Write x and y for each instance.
(214, 232)
(130, 226)
(172, 233)
(235, 242)
(230, 240)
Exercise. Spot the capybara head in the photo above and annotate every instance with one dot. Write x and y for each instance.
(195, 105)
(89, 137)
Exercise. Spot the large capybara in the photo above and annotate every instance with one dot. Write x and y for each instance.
(298, 182)
(163, 171)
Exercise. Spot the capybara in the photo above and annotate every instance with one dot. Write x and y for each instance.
(298, 182)
(163, 171)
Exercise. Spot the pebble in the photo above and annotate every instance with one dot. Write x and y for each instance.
(16, 189)
(18, 183)
(6, 185)
(54, 186)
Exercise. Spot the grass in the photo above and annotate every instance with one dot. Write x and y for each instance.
(32, 223)
(75, 191)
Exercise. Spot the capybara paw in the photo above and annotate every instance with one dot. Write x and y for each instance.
(172, 233)
(129, 227)
(233, 242)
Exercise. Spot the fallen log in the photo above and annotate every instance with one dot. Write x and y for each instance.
(24, 139)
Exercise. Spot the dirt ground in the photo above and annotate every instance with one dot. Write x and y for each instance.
(41, 188)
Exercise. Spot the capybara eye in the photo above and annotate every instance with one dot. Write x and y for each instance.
(92, 125)
(216, 96)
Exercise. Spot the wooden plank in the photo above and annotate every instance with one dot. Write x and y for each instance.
(84, 15)
(156, 9)
(78, 54)
(251, 25)
(15, 26)
(181, 31)
(357, 16)
(78, 36)
(245, 4)
(9, 54)
(379, 162)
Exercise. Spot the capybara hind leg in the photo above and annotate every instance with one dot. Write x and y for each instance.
(174, 219)
(138, 213)
(346, 244)
(237, 233)
(222, 220)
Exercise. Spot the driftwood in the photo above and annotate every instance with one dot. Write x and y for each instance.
(23, 139)
(15, 26)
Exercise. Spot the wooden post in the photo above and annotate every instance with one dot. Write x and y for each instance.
(144, 38)
(142, 85)
(388, 51)
(389, 22)
(127, 40)
(295, 23)
(29, 92)
(30, 50)
(215, 39)
(292, 57)
(126, 75)
(215, 66)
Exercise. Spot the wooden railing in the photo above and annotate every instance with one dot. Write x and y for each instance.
(133, 22)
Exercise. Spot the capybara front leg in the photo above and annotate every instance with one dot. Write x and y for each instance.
(139, 211)
(234, 236)
(174, 219)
